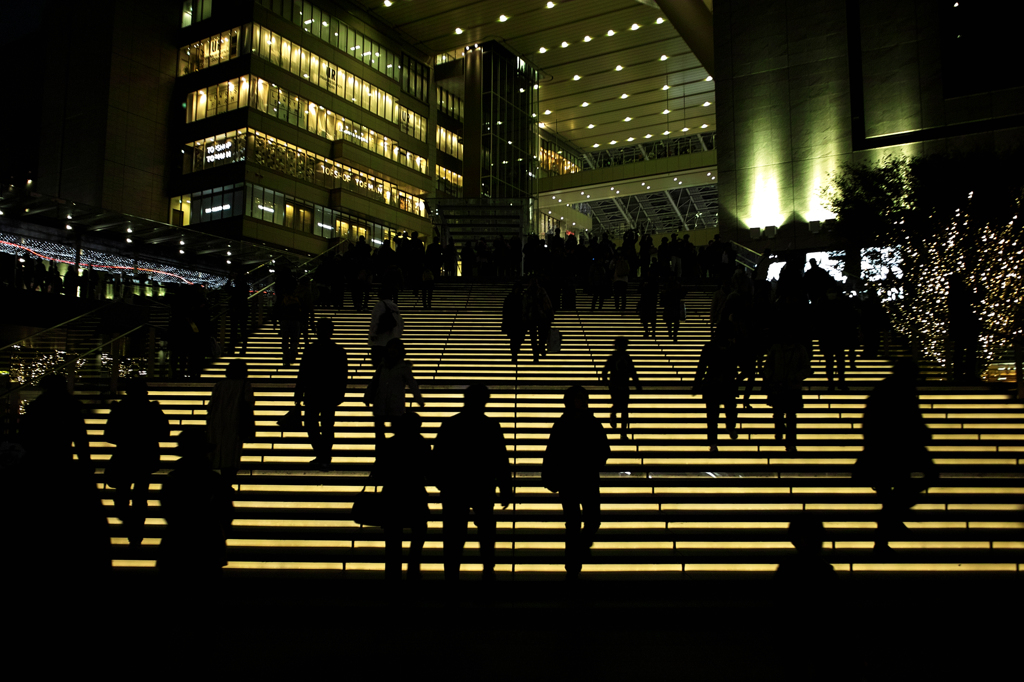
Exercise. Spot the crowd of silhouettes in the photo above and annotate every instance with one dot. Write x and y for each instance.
(758, 332)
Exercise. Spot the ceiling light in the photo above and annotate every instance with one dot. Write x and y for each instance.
(547, 112)
(541, 125)
(550, 5)
(590, 126)
(706, 104)
(628, 119)
(588, 196)
(667, 111)
(614, 142)
(182, 242)
(585, 104)
(630, 139)
(612, 188)
(634, 27)
(181, 250)
(69, 227)
(647, 136)
(610, 33)
(576, 77)
(709, 78)
(660, 21)
(387, 3)
(664, 87)
(664, 57)
(522, 90)
(458, 31)
(502, 18)
(685, 130)
(624, 96)
(704, 126)
(587, 39)
(543, 50)
(675, 179)
(619, 67)
(666, 132)
(565, 43)
(596, 145)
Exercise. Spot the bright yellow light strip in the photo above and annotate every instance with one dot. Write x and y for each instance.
(731, 568)
(996, 524)
(277, 504)
(732, 507)
(133, 563)
(727, 524)
(714, 490)
(236, 542)
(958, 568)
(631, 568)
(295, 523)
(734, 545)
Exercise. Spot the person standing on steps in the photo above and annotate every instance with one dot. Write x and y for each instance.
(230, 419)
(896, 441)
(538, 313)
(715, 379)
(323, 378)
(386, 392)
(577, 452)
(787, 365)
(647, 307)
(471, 460)
(136, 426)
(512, 320)
(386, 324)
(400, 468)
(616, 374)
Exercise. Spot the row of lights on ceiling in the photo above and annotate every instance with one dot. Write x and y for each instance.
(503, 18)
(647, 136)
(643, 183)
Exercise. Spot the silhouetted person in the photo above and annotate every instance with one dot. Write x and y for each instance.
(787, 365)
(400, 468)
(136, 426)
(323, 379)
(53, 428)
(512, 320)
(807, 537)
(197, 504)
(895, 447)
(386, 391)
(672, 307)
(965, 329)
(471, 461)
(577, 452)
(616, 374)
(386, 324)
(837, 320)
(647, 307)
(538, 313)
(715, 380)
(230, 419)
(289, 314)
(816, 281)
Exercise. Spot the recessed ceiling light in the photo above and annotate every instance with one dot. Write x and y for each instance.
(458, 31)
(630, 139)
(624, 96)
(542, 125)
(706, 104)
(587, 39)
(619, 67)
(647, 135)
(685, 129)
(675, 179)
(576, 77)
(612, 188)
(522, 90)
(565, 43)
(663, 57)
(628, 119)
(543, 50)
(588, 196)
(596, 145)
(664, 87)
(704, 126)
(667, 111)
(610, 33)
(550, 5)
(590, 126)
(547, 112)
(666, 132)
(634, 27)
(614, 142)
(660, 21)
(387, 3)
(502, 18)
(585, 104)
(709, 78)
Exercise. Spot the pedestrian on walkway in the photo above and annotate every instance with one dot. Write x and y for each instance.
(386, 392)
(386, 324)
(471, 461)
(617, 373)
(400, 467)
(577, 452)
(715, 380)
(787, 365)
(322, 381)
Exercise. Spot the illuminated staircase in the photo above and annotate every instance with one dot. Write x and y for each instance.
(670, 506)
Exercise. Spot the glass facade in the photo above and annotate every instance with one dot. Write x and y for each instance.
(209, 205)
(415, 76)
(509, 142)
(449, 182)
(557, 159)
(449, 104)
(256, 147)
(297, 111)
(449, 143)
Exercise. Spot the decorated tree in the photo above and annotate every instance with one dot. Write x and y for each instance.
(943, 241)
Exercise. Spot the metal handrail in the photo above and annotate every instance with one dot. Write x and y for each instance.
(57, 326)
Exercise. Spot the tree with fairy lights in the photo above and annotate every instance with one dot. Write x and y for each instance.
(928, 225)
